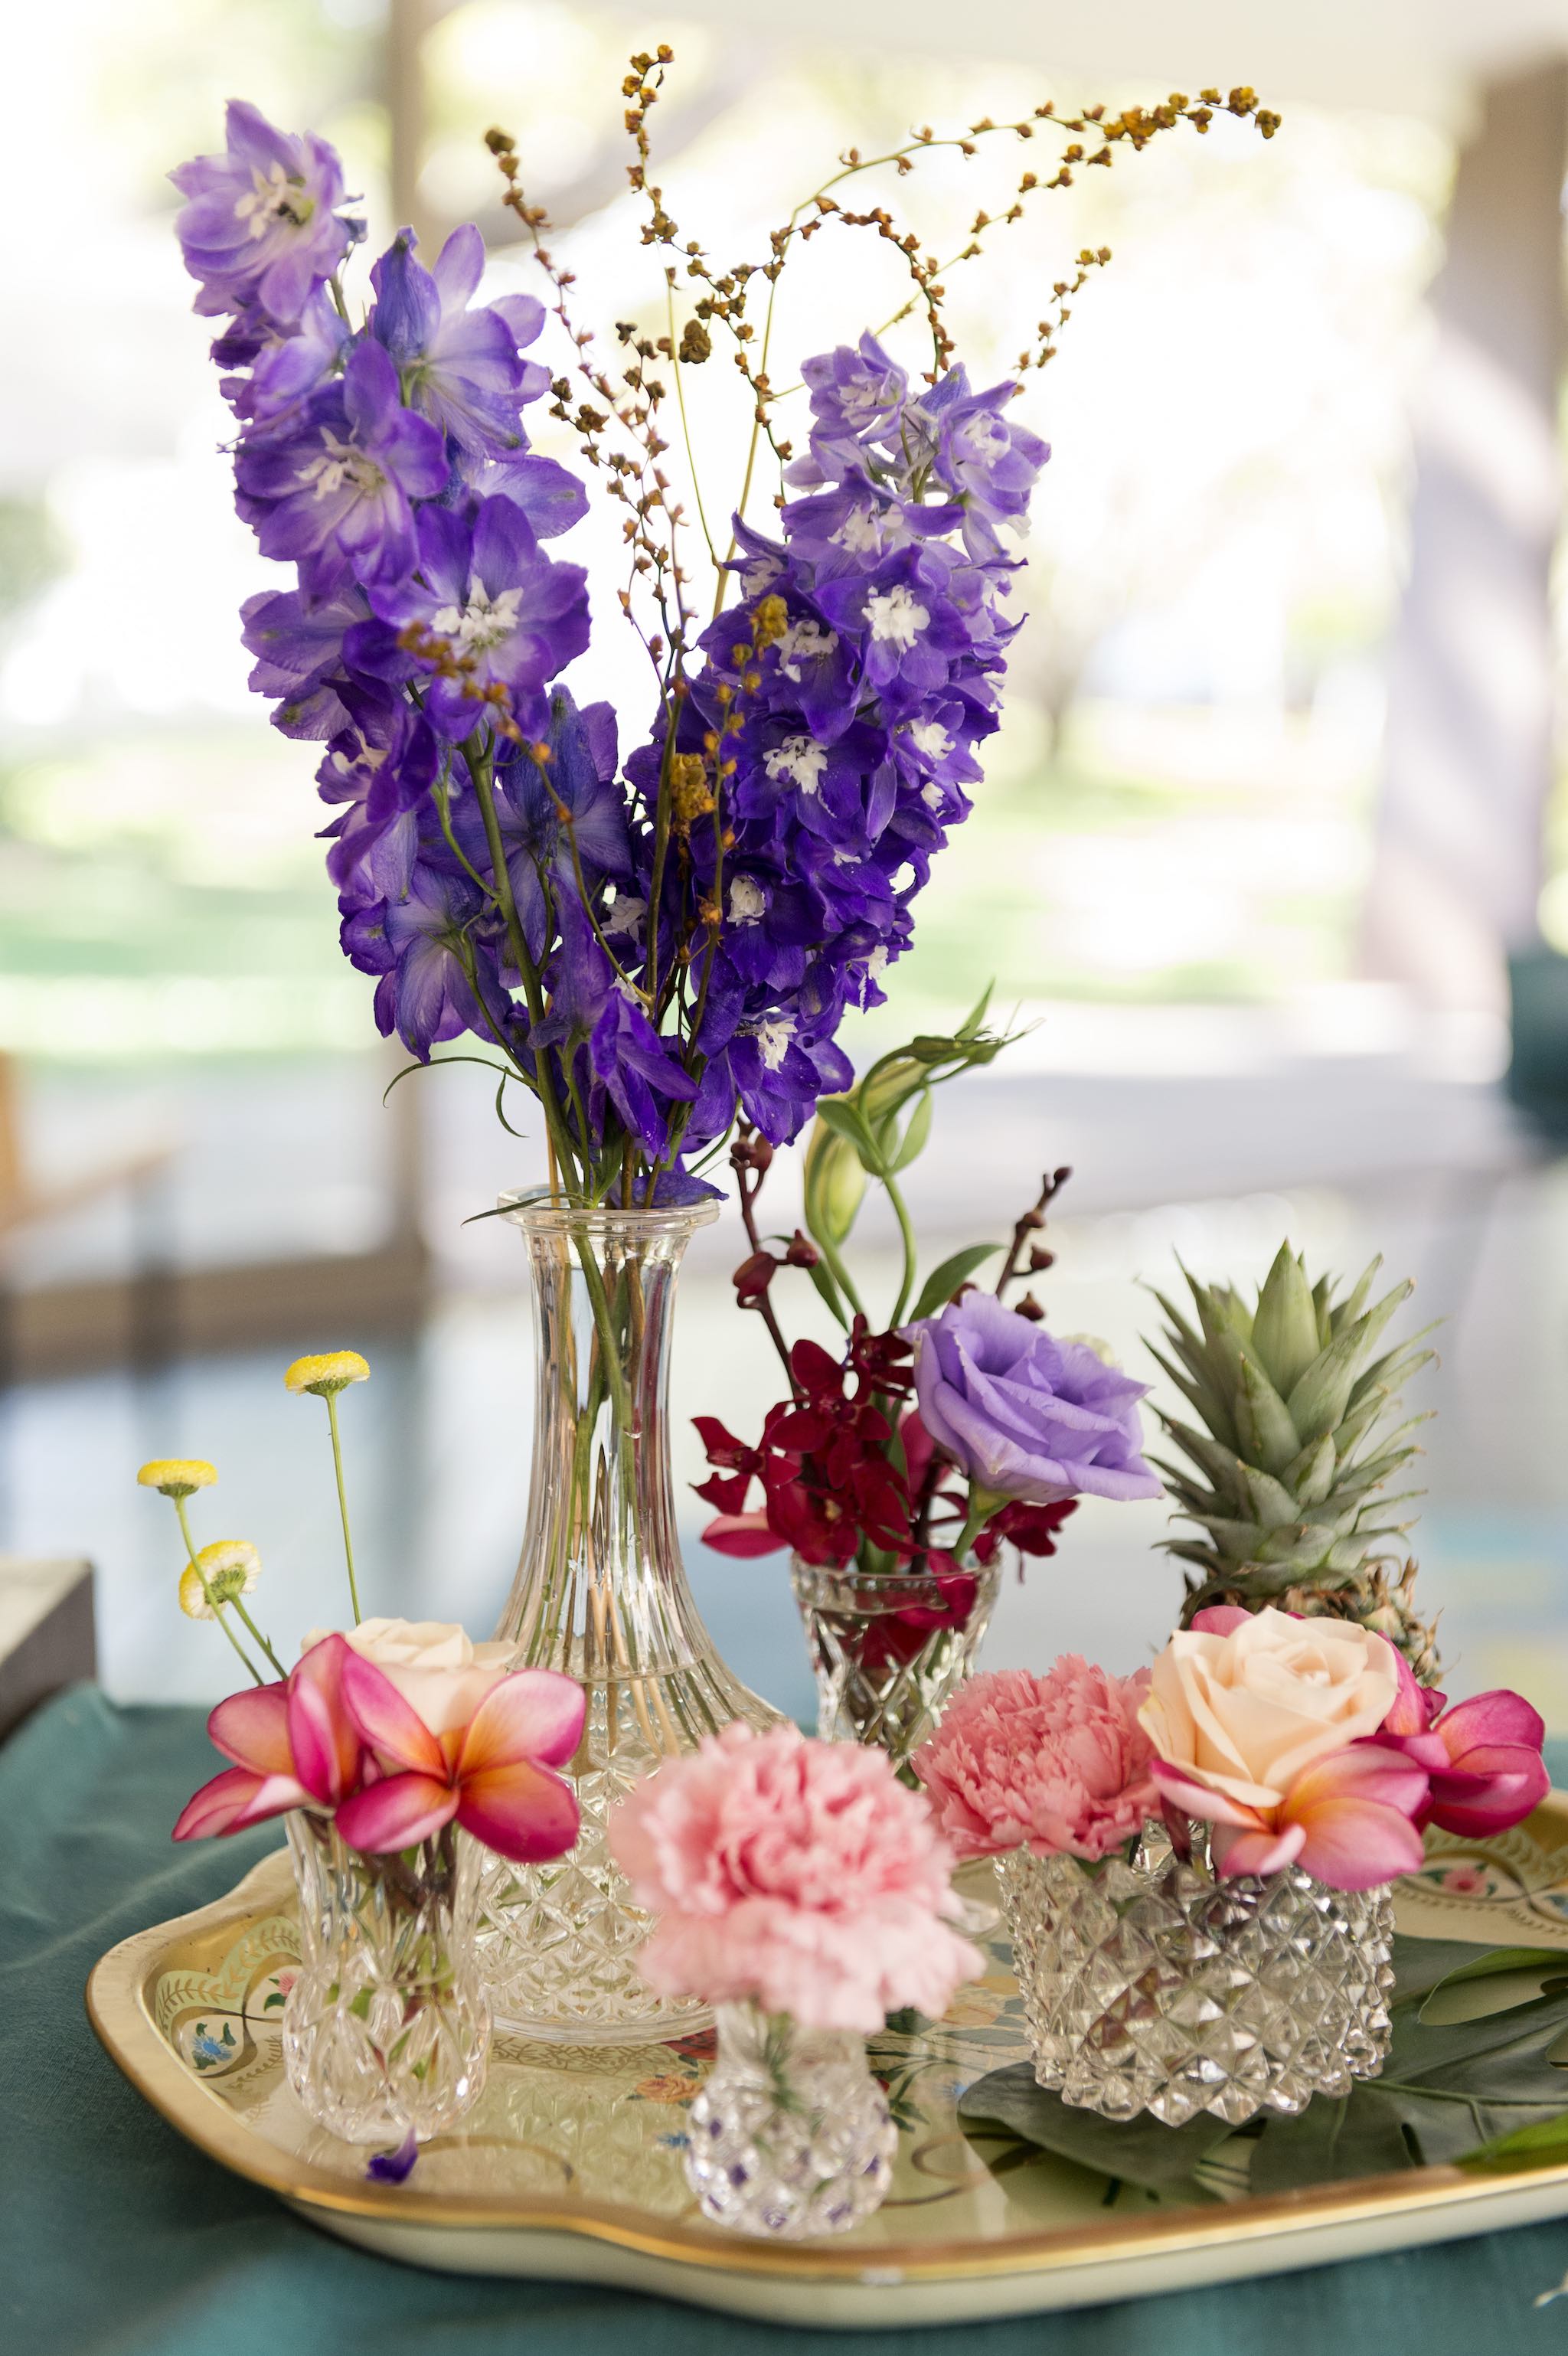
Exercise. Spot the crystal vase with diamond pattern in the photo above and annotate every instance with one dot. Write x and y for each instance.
(791, 2135)
(1156, 1987)
(386, 2028)
(890, 1651)
(602, 1592)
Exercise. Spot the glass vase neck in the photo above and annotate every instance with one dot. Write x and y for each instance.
(600, 1588)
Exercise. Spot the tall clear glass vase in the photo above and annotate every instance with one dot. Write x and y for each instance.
(601, 1593)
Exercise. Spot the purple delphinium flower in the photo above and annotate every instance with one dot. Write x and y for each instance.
(1023, 1414)
(422, 946)
(604, 1038)
(854, 392)
(335, 491)
(285, 370)
(463, 369)
(259, 224)
(513, 615)
(574, 803)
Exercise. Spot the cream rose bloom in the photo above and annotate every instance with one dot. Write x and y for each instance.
(1244, 1713)
(435, 1665)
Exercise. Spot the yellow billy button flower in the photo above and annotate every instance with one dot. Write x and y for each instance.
(176, 1476)
(231, 1568)
(328, 1373)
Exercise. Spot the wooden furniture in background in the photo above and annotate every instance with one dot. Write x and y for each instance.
(46, 1633)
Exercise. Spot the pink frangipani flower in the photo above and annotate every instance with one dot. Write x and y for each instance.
(801, 1874)
(1347, 1819)
(1482, 1756)
(492, 1774)
(293, 1746)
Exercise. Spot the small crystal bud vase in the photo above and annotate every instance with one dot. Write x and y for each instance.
(386, 2029)
(1156, 1987)
(791, 2135)
(890, 1652)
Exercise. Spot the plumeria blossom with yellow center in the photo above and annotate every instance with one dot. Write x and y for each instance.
(176, 1476)
(330, 1371)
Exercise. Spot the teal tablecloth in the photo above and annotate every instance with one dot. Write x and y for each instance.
(117, 2238)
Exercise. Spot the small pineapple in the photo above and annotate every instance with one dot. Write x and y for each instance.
(1287, 1478)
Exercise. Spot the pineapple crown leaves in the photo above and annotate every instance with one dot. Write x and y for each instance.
(1287, 1396)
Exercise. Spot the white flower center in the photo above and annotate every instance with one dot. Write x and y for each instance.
(860, 532)
(799, 760)
(984, 435)
(877, 963)
(803, 642)
(747, 900)
(626, 914)
(274, 198)
(773, 1037)
(896, 615)
(340, 467)
(932, 795)
(759, 574)
(483, 623)
(862, 399)
(930, 737)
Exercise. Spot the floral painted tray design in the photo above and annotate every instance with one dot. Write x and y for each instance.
(569, 2166)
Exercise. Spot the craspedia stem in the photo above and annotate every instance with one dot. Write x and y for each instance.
(216, 1607)
(343, 1504)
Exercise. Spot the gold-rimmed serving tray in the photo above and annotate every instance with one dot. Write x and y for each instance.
(569, 2166)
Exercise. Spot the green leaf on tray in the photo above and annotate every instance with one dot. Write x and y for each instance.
(1487, 2087)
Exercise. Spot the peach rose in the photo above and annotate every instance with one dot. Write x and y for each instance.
(1243, 1712)
(435, 1665)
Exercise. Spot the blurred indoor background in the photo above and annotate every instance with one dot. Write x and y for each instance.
(1273, 854)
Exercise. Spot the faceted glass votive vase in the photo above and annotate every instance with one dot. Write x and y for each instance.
(791, 2135)
(1156, 1987)
(386, 2029)
(889, 1653)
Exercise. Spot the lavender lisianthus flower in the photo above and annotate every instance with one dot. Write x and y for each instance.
(260, 223)
(1022, 1414)
(336, 492)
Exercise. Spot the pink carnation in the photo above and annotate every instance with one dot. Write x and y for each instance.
(1057, 1763)
(802, 1874)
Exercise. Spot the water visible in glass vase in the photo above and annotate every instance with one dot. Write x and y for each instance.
(601, 1593)
(1154, 1986)
(386, 2029)
(889, 1652)
(791, 2135)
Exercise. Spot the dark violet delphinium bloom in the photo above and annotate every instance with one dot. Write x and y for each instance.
(656, 950)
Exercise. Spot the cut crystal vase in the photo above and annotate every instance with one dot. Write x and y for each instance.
(889, 1652)
(386, 2028)
(1156, 1987)
(791, 2135)
(601, 1593)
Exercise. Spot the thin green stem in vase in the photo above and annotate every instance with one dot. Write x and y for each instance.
(343, 1504)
